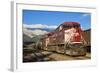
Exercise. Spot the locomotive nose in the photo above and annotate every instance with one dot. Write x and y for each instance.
(76, 36)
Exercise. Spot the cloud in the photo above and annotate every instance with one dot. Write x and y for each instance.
(39, 26)
(84, 15)
(39, 32)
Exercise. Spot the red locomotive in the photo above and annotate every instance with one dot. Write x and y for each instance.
(66, 39)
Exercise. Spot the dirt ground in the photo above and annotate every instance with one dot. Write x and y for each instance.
(42, 56)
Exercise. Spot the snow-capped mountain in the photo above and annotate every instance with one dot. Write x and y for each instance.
(37, 29)
(32, 33)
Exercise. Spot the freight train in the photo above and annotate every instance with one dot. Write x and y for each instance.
(67, 39)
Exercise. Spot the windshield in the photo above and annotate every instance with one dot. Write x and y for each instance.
(71, 26)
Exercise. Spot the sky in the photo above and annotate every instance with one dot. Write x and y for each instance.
(52, 19)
